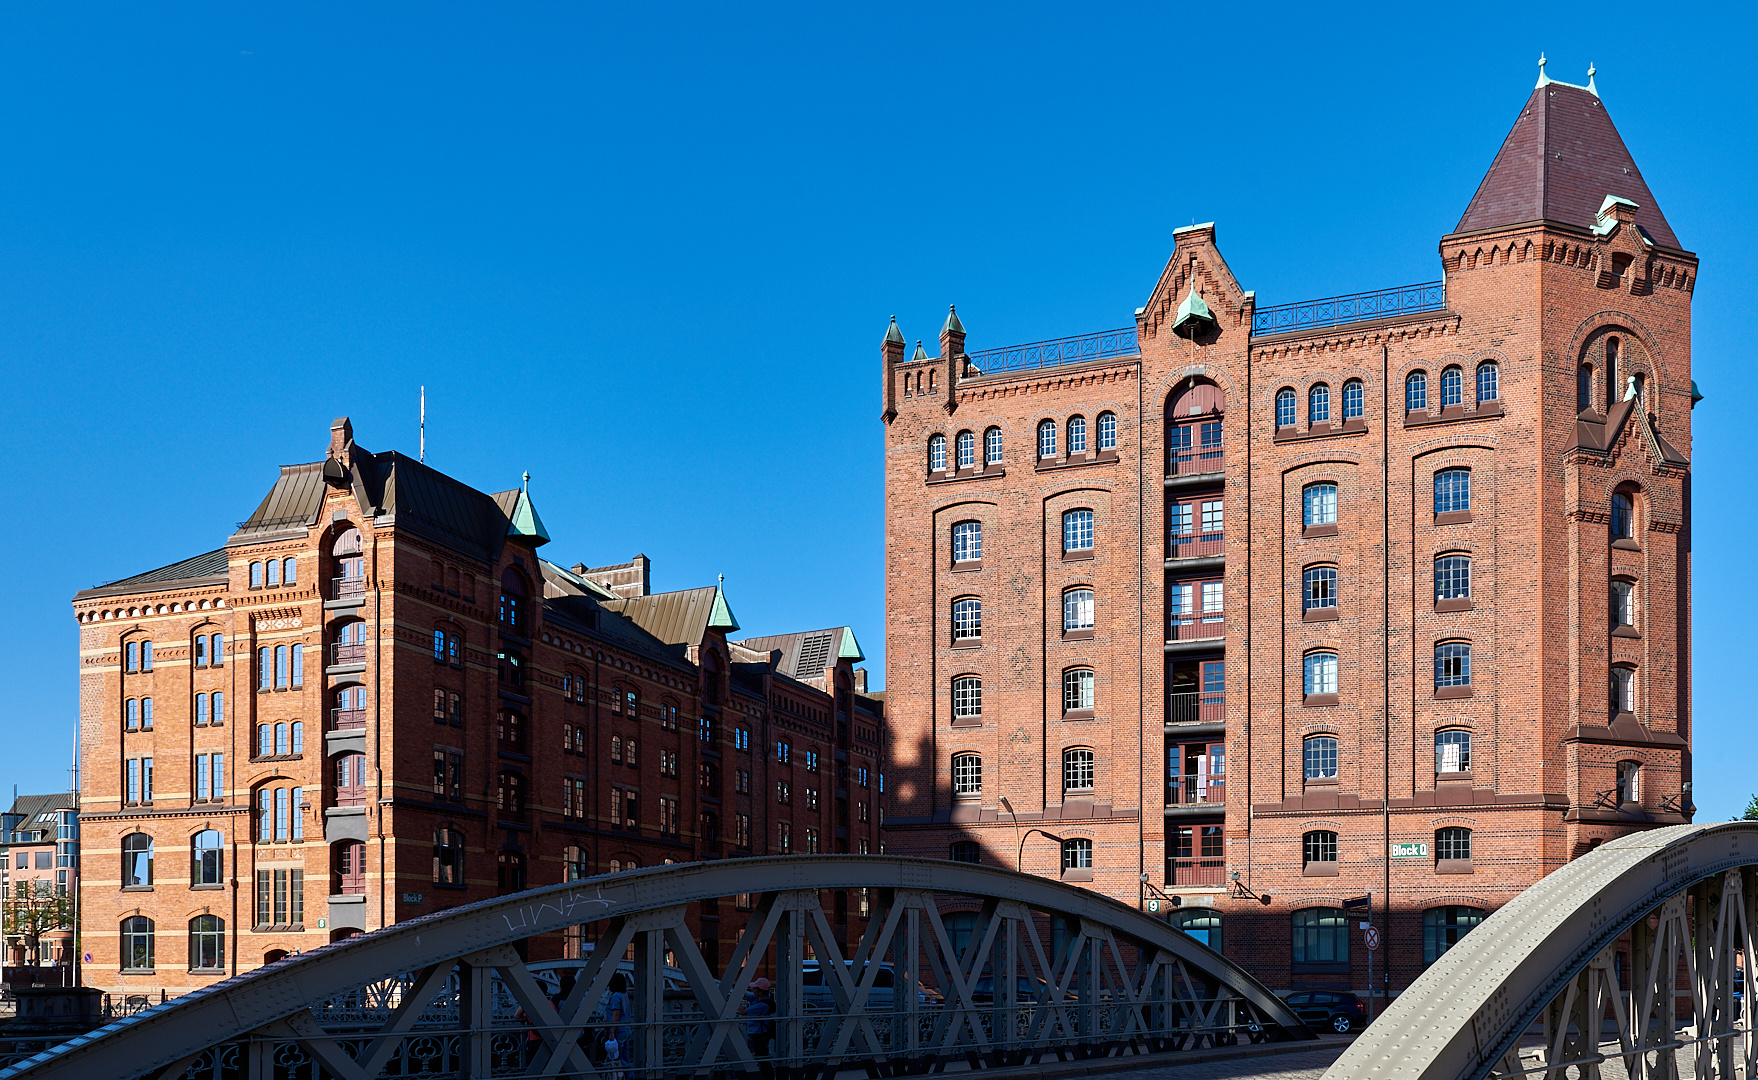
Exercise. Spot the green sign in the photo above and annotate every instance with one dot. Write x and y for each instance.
(1153, 905)
(1417, 850)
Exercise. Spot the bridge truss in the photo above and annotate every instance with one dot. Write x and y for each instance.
(1045, 971)
(1630, 960)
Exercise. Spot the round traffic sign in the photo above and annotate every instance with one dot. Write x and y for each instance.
(1372, 937)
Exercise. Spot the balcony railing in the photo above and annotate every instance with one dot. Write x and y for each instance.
(351, 796)
(1194, 545)
(344, 588)
(1185, 791)
(1351, 308)
(1193, 627)
(347, 654)
(1194, 707)
(1199, 871)
(347, 719)
(1104, 345)
(1194, 448)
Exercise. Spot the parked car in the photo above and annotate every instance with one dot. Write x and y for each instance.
(1025, 990)
(819, 998)
(1341, 1012)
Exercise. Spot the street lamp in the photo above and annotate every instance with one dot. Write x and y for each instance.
(1007, 806)
(1020, 856)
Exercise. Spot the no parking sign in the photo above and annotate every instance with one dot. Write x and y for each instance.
(1372, 938)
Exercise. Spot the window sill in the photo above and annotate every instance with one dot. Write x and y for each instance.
(1454, 777)
(968, 722)
(968, 564)
(1354, 425)
(207, 971)
(1452, 866)
(135, 971)
(278, 928)
(1626, 632)
(1313, 701)
(1077, 556)
(1324, 614)
(1077, 875)
(1078, 714)
(975, 473)
(1078, 635)
(1453, 517)
(1313, 531)
(1443, 693)
(1459, 603)
(1321, 781)
(1319, 869)
(1452, 414)
(968, 643)
(1625, 543)
(206, 888)
(137, 888)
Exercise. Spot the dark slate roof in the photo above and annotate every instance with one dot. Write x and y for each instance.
(27, 807)
(1600, 434)
(676, 618)
(209, 566)
(425, 500)
(805, 655)
(1560, 161)
(291, 505)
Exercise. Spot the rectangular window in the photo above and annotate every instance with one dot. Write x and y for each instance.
(219, 777)
(133, 653)
(784, 837)
(1321, 674)
(1320, 588)
(1452, 664)
(967, 541)
(280, 813)
(219, 702)
(1077, 530)
(1321, 758)
(1320, 504)
(742, 833)
(201, 710)
(1452, 491)
(201, 651)
(146, 714)
(146, 779)
(1452, 751)
(217, 650)
(201, 776)
(133, 782)
(668, 815)
(1211, 517)
(1452, 577)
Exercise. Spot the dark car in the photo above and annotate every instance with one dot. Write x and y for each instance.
(1025, 990)
(1341, 1012)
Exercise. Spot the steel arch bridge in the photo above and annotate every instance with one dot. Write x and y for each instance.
(1672, 913)
(1068, 973)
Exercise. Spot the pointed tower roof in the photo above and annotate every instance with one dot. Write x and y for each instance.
(921, 353)
(892, 333)
(952, 322)
(1192, 309)
(522, 519)
(1561, 160)
(720, 616)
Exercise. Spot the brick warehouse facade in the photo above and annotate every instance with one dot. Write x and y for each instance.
(377, 701)
(1259, 610)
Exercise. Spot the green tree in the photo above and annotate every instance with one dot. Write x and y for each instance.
(32, 912)
(1752, 809)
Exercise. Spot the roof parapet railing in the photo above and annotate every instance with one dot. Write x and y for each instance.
(1350, 308)
(1104, 345)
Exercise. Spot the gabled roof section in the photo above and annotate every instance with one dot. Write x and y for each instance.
(1560, 161)
(676, 618)
(30, 807)
(1600, 435)
(427, 501)
(291, 506)
(210, 566)
(566, 582)
(806, 654)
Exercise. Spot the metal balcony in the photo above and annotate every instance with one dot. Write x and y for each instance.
(347, 719)
(1184, 791)
(1193, 707)
(344, 588)
(1194, 545)
(1199, 872)
(347, 654)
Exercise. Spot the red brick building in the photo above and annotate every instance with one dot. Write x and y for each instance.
(1260, 609)
(378, 700)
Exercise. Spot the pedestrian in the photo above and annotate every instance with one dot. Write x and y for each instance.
(760, 1031)
(619, 1049)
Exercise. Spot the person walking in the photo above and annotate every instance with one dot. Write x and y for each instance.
(620, 1047)
(759, 1030)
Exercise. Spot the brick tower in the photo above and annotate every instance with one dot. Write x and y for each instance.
(1243, 613)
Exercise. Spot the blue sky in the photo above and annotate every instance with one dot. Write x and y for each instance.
(647, 253)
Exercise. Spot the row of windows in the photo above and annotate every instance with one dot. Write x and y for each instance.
(1451, 844)
(208, 650)
(274, 572)
(1079, 772)
(1416, 395)
(1452, 670)
(137, 713)
(964, 444)
(1452, 494)
(281, 666)
(207, 944)
(1452, 754)
(967, 614)
(1077, 695)
(1077, 536)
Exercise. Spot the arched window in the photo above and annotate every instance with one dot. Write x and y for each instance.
(1613, 391)
(1623, 516)
(510, 871)
(1442, 927)
(992, 446)
(439, 646)
(1452, 577)
(967, 450)
(1077, 609)
(1320, 755)
(1319, 502)
(1623, 690)
(965, 851)
(1319, 847)
(272, 573)
(1320, 673)
(1318, 586)
(1321, 936)
(967, 774)
(201, 650)
(1452, 491)
(1623, 603)
(146, 656)
(207, 943)
(289, 571)
(137, 943)
(1318, 404)
(1452, 664)
(1077, 531)
(349, 644)
(513, 603)
(351, 777)
(350, 858)
(201, 710)
(967, 698)
(1584, 388)
(1452, 844)
(146, 714)
(137, 861)
(1416, 392)
(1629, 782)
(967, 619)
(1077, 690)
(1107, 431)
(350, 566)
(1203, 924)
(281, 739)
(936, 453)
(1077, 854)
(448, 857)
(216, 649)
(1452, 387)
(616, 749)
(1489, 381)
(1077, 434)
(265, 740)
(510, 730)
(256, 575)
(349, 710)
(1285, 408)
(1047, 439)
(1354, 400)
(1452, 751)
(967, 541)
(1077, 769)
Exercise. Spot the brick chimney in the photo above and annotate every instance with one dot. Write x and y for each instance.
(341, 441)
(952, 354)
(890, 355)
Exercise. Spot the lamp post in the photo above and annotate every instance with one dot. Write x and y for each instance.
(1007, 806)
(1019, 858)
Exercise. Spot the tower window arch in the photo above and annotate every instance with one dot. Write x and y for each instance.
(1285, 414)
(936, 453)
(1318, 404)
(967, 450)
(1354, 399)
(1489, 381)
(1452, 386)
(1623, 515)
(1046, 440)
(1416, 392)
(1584, 387)
(1107, 426)
(992, 446)
(1077, 434)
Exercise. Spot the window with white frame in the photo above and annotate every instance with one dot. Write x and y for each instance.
(1077, 854)
(1623, 603)
(967, 774)
(1077, 690)
(1452, 387)
(1623, 689)
(1321, 673)
(967, 619)
(1318, 404)
(1452, 751)
(1629, 782)
(967, 698)
(967, 450)
(1319, 753)
(1416, 392)
(1489, 381)
(1285, 407)
(967, 541)
(1077, 530)
(1077, 769)
(937, 453)
(1319, 502)
(1047, 440)
(1077, 434)
(992, 446)
(1452, 844)
(1077, 609)
(1354, 400)
(1623, 516)
(1107, 431)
